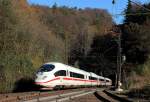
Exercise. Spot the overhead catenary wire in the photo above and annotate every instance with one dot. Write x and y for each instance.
(140, 5)
(146, 13)
(137, 13)
(134, 13)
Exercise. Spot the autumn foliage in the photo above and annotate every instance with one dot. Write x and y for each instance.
(31, 35)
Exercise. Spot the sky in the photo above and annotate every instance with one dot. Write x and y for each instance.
(115, 9)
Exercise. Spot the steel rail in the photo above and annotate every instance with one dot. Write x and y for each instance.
(62, 97)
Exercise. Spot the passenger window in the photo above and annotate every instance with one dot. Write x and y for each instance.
(60, 73)
(76, 75)
(101, 79)
(107, 80)
(92, 78)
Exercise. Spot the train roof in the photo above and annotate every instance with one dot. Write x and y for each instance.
(71, 68)
(76, 69)
(93, 74)
(68, 67)
(53, 63)
(101, 77)
(107, 78)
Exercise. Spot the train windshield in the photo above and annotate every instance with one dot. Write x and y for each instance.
(46, 68)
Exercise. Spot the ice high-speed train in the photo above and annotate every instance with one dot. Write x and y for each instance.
(57, 75)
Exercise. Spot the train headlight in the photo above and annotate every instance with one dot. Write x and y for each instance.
(44, 77)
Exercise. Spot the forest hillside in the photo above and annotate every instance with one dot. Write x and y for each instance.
(31, 35)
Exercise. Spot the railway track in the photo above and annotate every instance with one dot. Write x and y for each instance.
(63, 97)
(38, 95)
(101, 96)
(72, 95)
(109, 96)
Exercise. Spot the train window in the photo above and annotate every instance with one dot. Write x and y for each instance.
(101, 79)
(107, 80)
(46, 68)
(60, 73)
(76, 75)
(92, 78)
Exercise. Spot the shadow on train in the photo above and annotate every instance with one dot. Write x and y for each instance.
(25, 85)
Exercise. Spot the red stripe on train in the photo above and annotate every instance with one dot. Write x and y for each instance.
(79, 79)
(56, 78)
(65, 78)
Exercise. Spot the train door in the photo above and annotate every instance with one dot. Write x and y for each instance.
(88, 82)
(90, 79)
(97, 81)
(68, 74)
(104, 81)
(85, 78)
(67, 83)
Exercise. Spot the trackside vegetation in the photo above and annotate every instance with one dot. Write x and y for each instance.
(136, 45)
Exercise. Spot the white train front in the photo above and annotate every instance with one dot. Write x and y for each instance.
(53, 75)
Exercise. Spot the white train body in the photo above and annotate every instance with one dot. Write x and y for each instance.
(54, 74)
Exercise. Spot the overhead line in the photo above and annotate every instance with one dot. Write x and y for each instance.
(146, 13)
(140, 6)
